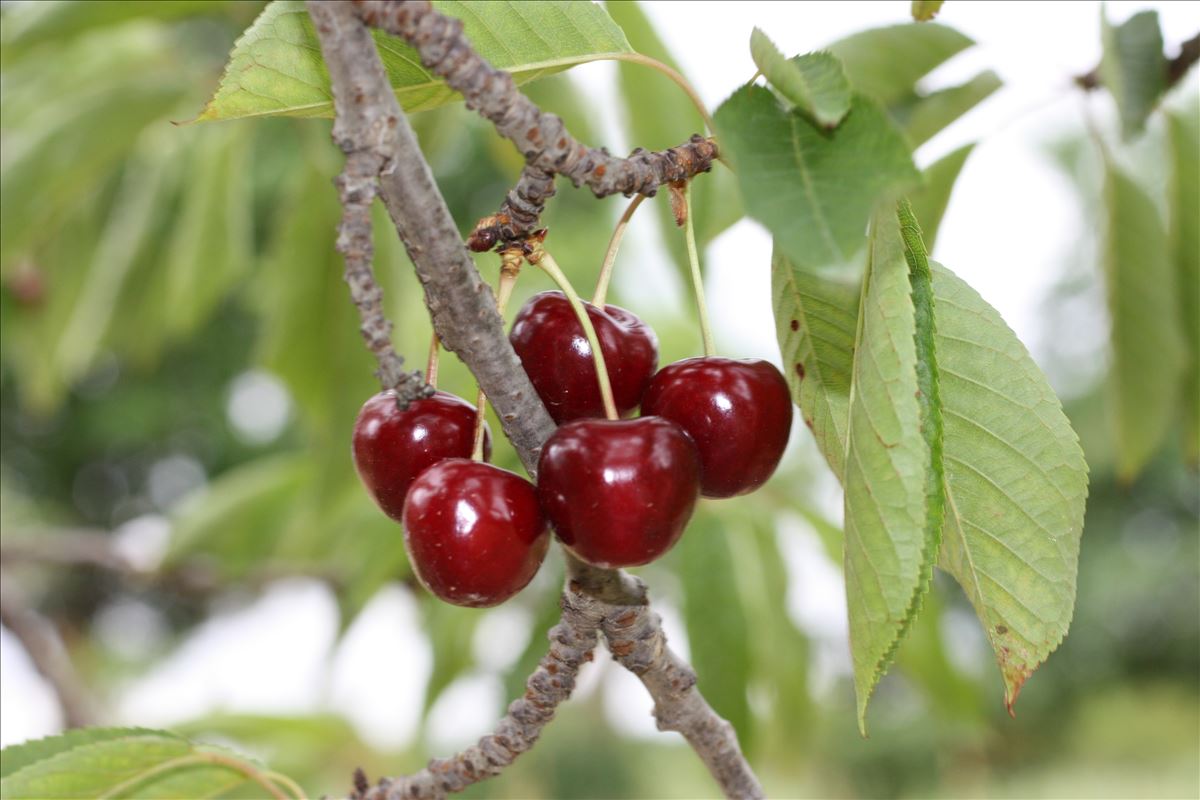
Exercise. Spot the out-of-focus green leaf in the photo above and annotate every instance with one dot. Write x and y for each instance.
(450, 631)
(816, 318)
(924, 661)
(275, 67)
(1184, 130)
(891, 509)
(716, 203)
(123, 762)
(716, 621)
(930, 202)
(546, 616)
(886, 63)
(925, 10)
(813, 189)
(1147, 347)
(929, 114)
(1016, 483)
(1133, 67)
(210, 247)
(814, 83)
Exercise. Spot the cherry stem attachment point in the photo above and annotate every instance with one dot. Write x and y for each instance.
(510, 267)
(689, 230)
(610, 256)
(431, 366)
(539, 257)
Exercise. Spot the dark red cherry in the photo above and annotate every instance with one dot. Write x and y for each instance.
(619, 493)
(738, 412)
(392, 447)
(474, 533)
(554, 351)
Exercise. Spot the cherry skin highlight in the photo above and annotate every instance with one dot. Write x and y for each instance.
(474, 533)
(739, 413)
(619, 492)
(555, 352)
(392, 447)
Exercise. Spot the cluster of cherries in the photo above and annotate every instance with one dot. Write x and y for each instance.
(617, 492)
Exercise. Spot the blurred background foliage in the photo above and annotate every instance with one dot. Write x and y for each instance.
(177, 342)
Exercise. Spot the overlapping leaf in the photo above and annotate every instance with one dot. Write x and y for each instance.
(1133, 67)
(926, 115)
(1147, 345)
(1184, 130)
(930, 202)
(813, 189)
(814, 83)
(276, 68)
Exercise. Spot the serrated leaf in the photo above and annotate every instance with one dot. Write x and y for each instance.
(891, 504)
(814, 83)
(1183, 129)
(886, 63)
(925, 10)
(816, 318)
(121, 762)
(928, 114)
(1016, 483)
(929, 204)
(1133, 67)
(813, 189)
(276, 69)
(1147, 346)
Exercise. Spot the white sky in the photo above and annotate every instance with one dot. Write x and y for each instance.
(278, 654)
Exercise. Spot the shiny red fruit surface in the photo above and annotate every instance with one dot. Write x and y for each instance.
(739, 413)
(474, 533)
(392, 447)
(554, 351)
(619, 493)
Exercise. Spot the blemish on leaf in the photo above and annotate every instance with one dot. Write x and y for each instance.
(1001, 629)
(800, 370)
(795, 324)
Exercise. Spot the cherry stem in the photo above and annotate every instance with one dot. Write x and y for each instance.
(431, 366)
(510, 267)
(544, 260)
(689, 231)
(674, 75)
(610, 257)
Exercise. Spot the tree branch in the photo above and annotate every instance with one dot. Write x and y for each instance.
(369, 120)
(543, 139)
(48, 654)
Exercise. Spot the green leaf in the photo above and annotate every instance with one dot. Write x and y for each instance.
(123, 762)
(450, 631)
(276, 69)
(813, 83)
(1016, 483)
(1133, 67)
(886, 63)
(928, 114)
(1184, 132)
(1147, 348)
(925, 10)
(716, 621)
(929, 204)
(892, 504)
(816, 317)
(813, 189)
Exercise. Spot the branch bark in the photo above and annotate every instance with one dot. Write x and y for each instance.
(372, 129)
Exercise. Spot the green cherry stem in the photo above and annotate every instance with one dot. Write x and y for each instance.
(431, 366)
(610, 256)
(674, 75)
(689, 230)
(543, 259)
(510, 267)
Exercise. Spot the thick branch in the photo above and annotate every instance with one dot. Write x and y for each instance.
(465, 319)
(48, 654)
(543, 139)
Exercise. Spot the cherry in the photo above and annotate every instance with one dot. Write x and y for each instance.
(739, 413)
(554, 351)
(392, 447)
(619, 492)
(474, 532)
